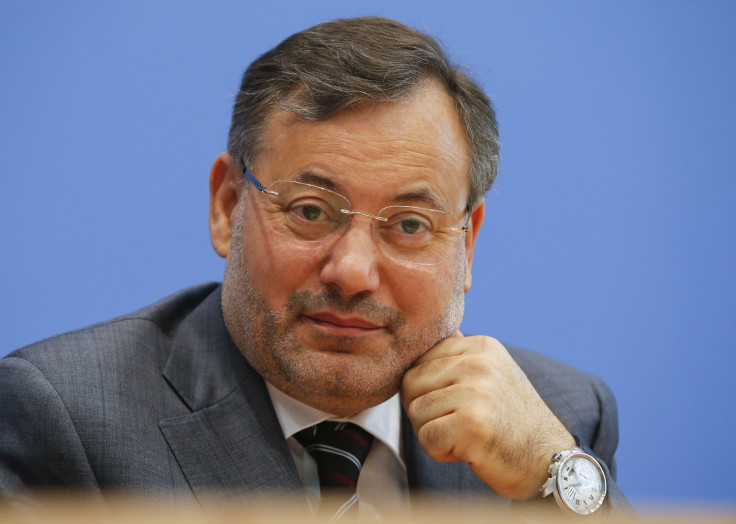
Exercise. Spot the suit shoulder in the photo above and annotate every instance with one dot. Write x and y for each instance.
(116, 340)
(536, 363)
(544, 371)
(582, 401)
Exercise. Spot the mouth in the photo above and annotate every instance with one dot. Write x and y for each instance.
(333, 324)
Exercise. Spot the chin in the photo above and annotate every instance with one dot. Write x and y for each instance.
(340, 378)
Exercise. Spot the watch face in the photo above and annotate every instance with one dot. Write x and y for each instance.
(581, 484)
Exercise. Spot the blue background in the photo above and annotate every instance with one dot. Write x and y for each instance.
(609, 239)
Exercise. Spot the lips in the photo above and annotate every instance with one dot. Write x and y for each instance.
(347, 325)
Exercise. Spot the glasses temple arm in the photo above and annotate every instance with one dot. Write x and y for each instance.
(253, 180)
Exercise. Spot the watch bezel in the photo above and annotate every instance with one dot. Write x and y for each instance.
(562, 500)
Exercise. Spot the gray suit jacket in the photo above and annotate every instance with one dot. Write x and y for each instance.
(161, 402)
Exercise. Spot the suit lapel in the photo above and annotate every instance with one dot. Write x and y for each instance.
(231, 442)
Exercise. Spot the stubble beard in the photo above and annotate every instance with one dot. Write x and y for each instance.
(333, 375)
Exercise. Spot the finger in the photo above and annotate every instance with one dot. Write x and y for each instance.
(469, 368)
(460, 435)
(450, 346)
(437, 439)
(459, 344)
(427, 377)
(432, 405)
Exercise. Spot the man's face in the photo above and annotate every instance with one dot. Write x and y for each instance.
(336, 324)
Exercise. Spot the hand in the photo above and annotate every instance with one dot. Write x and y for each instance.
(469, 401)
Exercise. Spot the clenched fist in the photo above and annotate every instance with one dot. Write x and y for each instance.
(469, 401)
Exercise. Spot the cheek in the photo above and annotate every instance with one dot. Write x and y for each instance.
(423, 293)
(276, 269)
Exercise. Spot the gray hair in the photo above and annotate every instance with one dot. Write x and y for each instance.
(320, 71)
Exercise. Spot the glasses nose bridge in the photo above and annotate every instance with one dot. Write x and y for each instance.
(374, 218)
(352, 213)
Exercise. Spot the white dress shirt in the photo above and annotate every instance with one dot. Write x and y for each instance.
(383, 487)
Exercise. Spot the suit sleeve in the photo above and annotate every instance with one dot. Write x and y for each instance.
(589, 412)
(39, 445)
(604, 444)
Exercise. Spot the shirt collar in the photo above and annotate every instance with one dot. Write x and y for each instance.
(382, 421)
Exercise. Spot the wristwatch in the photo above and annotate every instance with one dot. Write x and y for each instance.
(577, 481)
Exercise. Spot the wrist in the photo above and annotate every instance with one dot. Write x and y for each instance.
(552, 448)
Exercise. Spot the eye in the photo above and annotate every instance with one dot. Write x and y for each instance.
(309, 212)
(409, 226)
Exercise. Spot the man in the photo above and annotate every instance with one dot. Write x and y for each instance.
(347, 206)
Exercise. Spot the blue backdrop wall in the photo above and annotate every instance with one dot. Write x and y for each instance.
(610, 236)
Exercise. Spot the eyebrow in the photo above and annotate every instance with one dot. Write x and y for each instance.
(425, 196)
(307, 177)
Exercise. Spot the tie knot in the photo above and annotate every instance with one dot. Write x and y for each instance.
(339, 449)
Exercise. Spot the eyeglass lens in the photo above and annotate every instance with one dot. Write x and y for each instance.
(313, 214)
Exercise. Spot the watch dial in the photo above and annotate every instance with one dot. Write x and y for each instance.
(581, 485)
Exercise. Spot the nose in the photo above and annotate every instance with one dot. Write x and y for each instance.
(351, 266)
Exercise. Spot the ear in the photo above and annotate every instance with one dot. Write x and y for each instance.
(225, 188)
(476, 219)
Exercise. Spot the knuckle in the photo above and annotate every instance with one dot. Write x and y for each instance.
(414, 410)
(407, 381)
(473, 418)
(493, 345)
(431, 436)
(480, 365)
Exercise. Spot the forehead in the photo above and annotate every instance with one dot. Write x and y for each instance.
(373, 151)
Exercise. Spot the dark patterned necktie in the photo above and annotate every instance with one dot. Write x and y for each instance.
(339, 449)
